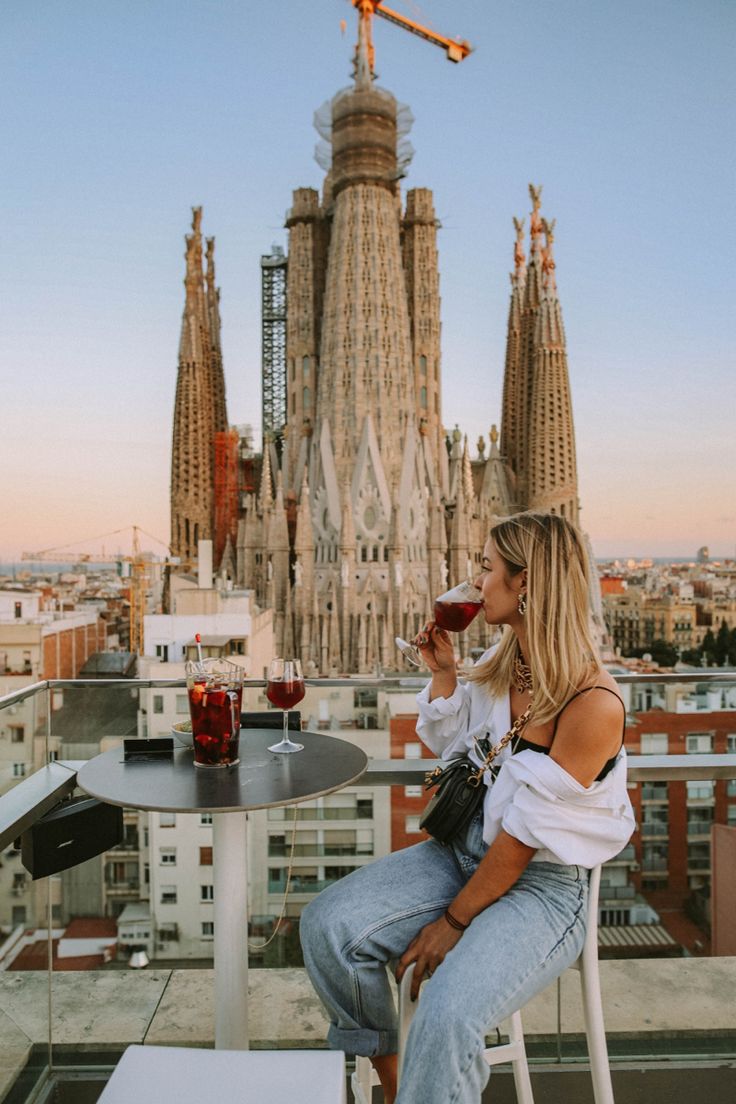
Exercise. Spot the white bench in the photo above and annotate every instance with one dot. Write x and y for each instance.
(188, 1075)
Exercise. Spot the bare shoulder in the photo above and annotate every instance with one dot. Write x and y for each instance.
(590, 727)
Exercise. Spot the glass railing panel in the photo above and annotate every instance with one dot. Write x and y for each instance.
(153, 891)
(24, 978)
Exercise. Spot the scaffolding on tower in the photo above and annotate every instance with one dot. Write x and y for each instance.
(273, 345)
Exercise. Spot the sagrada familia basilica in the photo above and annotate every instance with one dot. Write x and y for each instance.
(368, 509)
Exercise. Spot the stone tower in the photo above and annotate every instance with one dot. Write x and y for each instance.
(537, 432)
(364, 461)
(199, 408)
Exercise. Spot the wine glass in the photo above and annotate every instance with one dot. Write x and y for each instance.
(453, 610)
(285, 689)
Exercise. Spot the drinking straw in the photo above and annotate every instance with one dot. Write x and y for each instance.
(198, 641)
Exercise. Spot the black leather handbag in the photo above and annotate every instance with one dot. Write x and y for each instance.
(460, 789)
(459, 793)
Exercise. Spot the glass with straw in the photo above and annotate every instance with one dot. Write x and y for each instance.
(215, 691)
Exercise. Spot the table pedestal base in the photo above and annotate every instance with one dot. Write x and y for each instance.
(231, 930)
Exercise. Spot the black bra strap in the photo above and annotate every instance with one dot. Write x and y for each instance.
(586, 691)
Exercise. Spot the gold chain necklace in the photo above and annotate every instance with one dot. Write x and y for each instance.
(521, 674)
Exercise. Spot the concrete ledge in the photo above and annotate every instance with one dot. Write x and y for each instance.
(15, 1050)
(283, 1011)
(108, 1009)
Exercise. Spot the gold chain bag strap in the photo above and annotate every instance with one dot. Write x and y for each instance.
(459, 788)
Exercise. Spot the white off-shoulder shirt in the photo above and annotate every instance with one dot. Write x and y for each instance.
(533, 798)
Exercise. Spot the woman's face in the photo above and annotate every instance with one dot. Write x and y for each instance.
(500, 590)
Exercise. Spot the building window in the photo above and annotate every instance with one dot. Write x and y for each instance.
(731, 816)
(18, 610)
(731, 787)
(654, 791)
(158, 703)
(699, 821)
(654, 857)
(698, 856)
(305, 365)
(182, 705)
(17, 734)
(205, 818)
(731, 743)
(654, 743)
(19, 770)
(205, 856)
(423, 365)
(167, 856)
(412, 824)
(699, 791)
(167, 820)
(364, 808)
(413, 751)
(162, 653)
(423, 397)
(699, 743)
(306, 398)
(168, 933)
(206, 893)
(413, 791)
(208, 929)
(168, 895)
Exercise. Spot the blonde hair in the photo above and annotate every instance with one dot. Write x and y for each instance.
(562, 654)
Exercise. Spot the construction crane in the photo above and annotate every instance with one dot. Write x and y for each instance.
(140, 563)
(456, 49)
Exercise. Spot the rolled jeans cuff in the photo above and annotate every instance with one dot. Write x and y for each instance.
(363, 1041)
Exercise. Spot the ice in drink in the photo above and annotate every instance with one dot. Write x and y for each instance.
(215, 690)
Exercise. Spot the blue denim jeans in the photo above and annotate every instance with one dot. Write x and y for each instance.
(511, 951)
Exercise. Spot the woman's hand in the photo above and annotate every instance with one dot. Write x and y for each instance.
(436, 648)
(427, 950)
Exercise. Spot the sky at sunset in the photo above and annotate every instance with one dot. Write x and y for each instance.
(120, 115)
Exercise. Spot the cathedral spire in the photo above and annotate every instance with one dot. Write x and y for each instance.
(552, 481)
(213, 319)
(192, 452)
(513, 390)
(265, 495)
(365, 55)
(549, 282)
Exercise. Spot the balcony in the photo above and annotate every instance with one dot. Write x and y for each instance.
(671, 1019)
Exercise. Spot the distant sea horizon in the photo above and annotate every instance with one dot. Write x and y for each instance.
(38, 567)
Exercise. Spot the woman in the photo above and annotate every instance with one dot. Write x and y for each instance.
(494, 917)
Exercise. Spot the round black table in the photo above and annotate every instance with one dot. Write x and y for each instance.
(262, 780)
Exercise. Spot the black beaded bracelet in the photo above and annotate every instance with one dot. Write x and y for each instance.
(454, 922)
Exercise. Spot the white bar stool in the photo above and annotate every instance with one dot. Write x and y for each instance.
(365, 1077)
(191, 1075)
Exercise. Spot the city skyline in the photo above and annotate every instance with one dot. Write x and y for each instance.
(113, 142)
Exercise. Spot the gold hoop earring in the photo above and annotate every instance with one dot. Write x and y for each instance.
(521, 604)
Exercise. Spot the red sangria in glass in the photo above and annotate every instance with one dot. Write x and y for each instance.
(215, 691)
(453, 611)
(285, 689)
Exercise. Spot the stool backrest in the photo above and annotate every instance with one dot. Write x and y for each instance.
(590, 947)
(271, 718)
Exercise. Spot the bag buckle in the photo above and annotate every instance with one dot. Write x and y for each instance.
(432, 777)
(475, 779)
